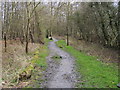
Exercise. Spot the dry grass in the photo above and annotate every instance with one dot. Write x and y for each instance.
(104, 54)
(14, 60)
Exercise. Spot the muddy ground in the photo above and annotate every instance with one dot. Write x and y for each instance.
(60, 73)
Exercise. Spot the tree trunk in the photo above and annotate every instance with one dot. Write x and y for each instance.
(5, 42)
(119, 25)
(26, 48)
(67, 38)
(67, 27)
(31, 36)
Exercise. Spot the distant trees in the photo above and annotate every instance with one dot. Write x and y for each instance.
(91, 21)
(20, 20)
(96, 22)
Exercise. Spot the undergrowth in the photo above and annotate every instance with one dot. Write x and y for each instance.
(39, 61)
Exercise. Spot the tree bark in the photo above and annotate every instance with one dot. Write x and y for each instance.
(5, 42)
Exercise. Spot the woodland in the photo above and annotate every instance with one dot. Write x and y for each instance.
(33, 31)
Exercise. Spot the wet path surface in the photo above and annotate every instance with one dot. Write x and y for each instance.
(62, 74)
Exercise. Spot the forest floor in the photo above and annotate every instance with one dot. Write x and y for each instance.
(15, 62)
(61, 71)
(66, 66)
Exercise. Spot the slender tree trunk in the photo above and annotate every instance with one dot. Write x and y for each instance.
(47, 33)
(67, 37)
(27, 38)
(31, 37)
(118, 25)
(27, 32)
(5, 42)
(67, 27)
(26, 48)
(51, 22)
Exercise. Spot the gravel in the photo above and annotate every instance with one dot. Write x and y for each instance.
(62, 74)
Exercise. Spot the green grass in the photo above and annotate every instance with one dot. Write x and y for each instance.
(40, 55)
(94, 74)
(39, 61)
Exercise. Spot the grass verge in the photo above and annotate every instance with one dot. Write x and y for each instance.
(36, 67)
(39, 61)
(94, 74)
